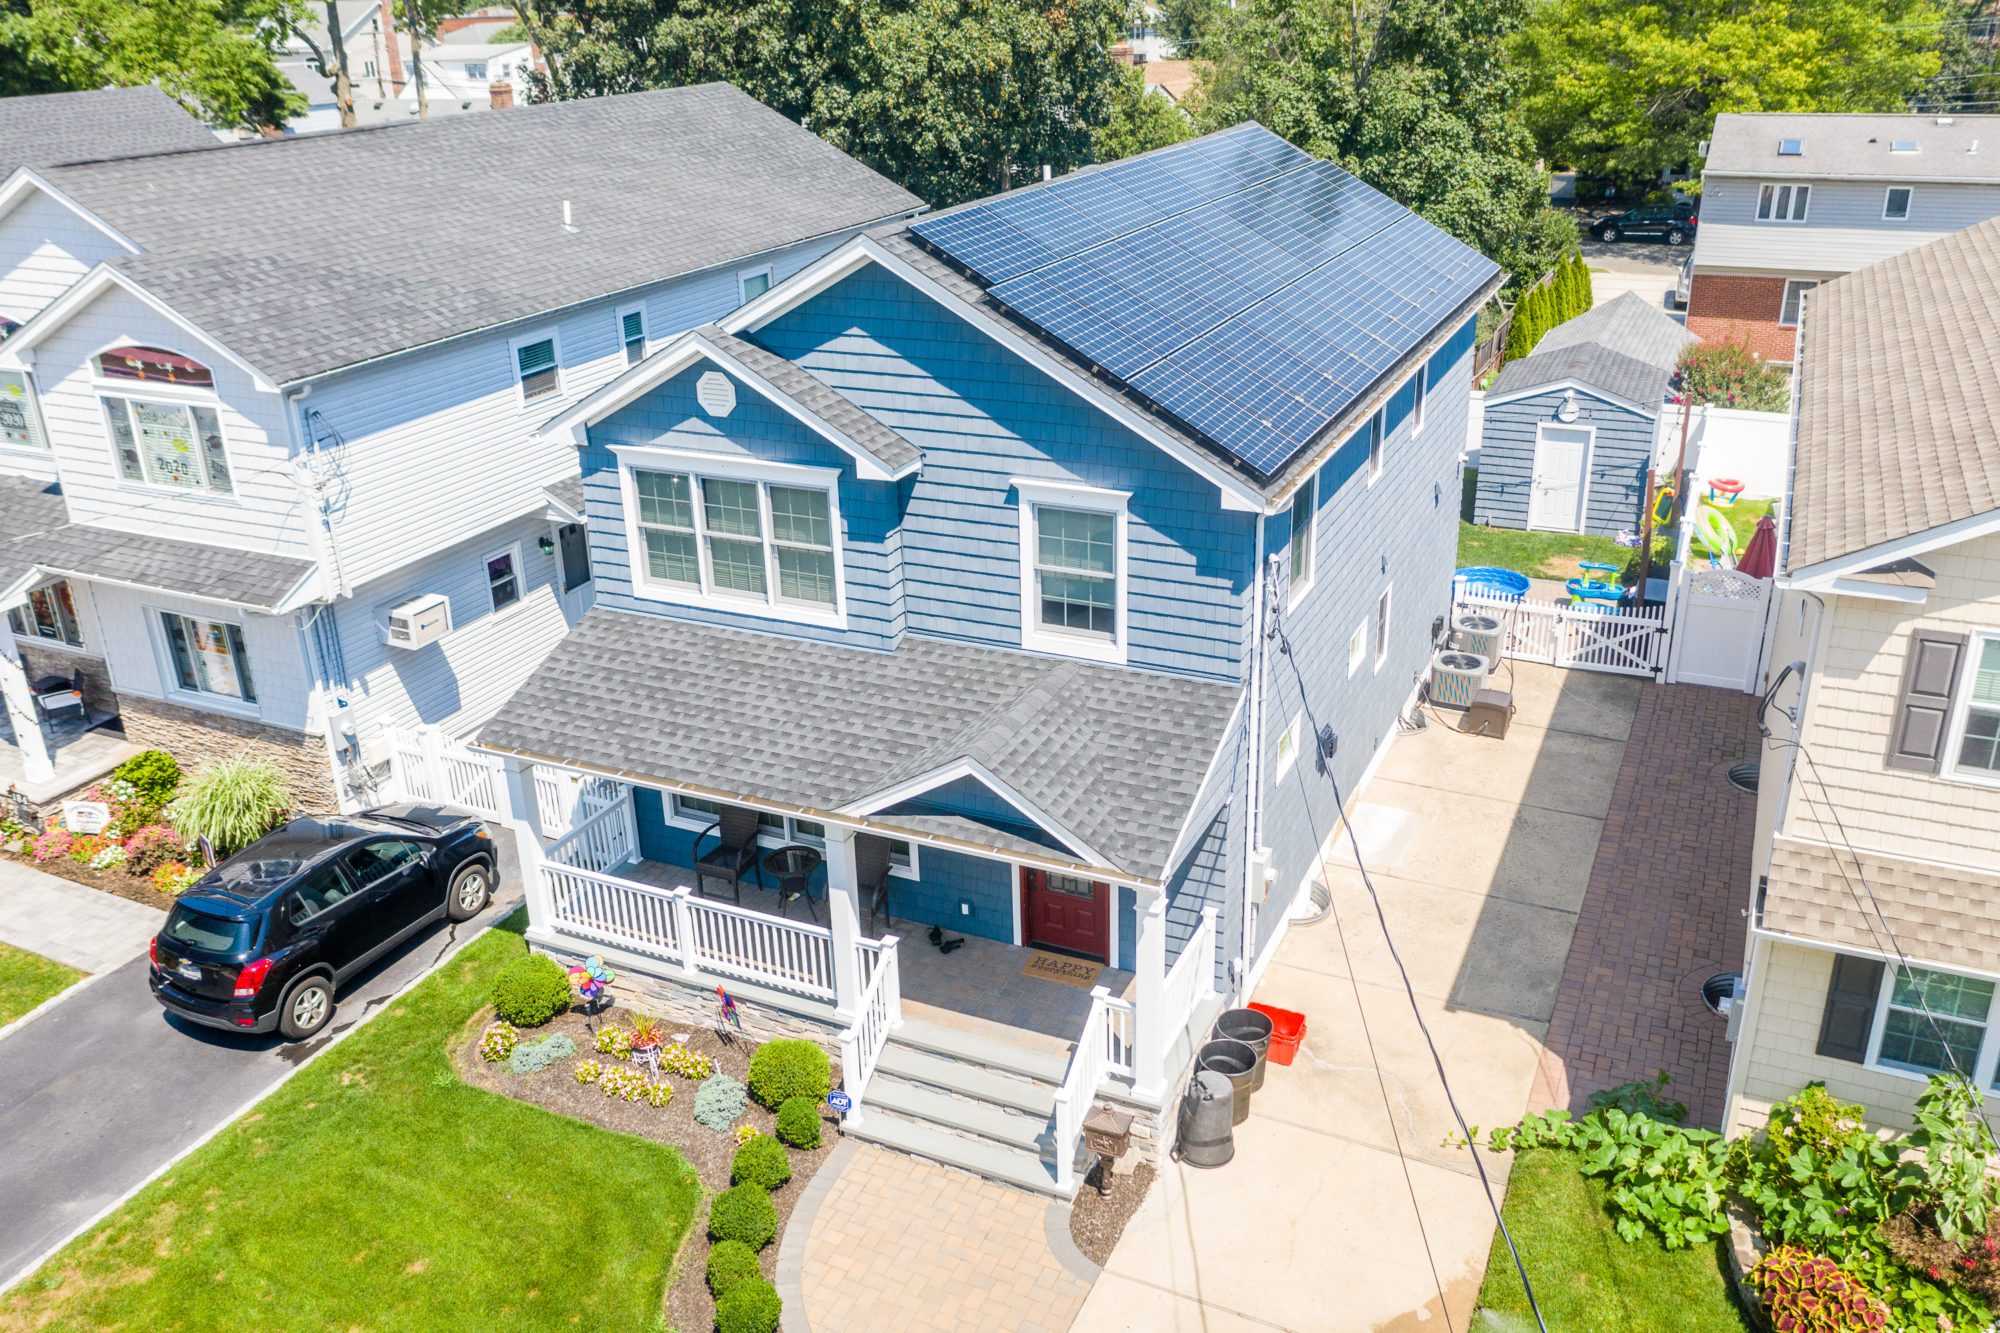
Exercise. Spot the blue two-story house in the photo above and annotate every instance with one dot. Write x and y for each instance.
(1026, 574)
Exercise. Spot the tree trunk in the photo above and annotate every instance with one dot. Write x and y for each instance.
(416, 26)
(538, 33)
(343, 87)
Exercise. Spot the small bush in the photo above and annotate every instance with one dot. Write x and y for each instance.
(149, 847)
(587, 1071)
(107, 858)
(718, 1101)
(53, 844)
(1728, 374)
(232, 802)
(85, 846)
(624, 1082)
(657, 1094)
(498, 1041)
(676, 1058)
(799, 1123)
(174, 878)
(730, 1262)
(750, 1307)
(154, 774)
(745, 1213)
(1805, 1292)
(533, 1056)
(761, 1162)
(531, 990)
(614, 1041)
(782, 1070)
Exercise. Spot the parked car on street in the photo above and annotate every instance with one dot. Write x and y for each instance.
(264, 940)
(1673, 223)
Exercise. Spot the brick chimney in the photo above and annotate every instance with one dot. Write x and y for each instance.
(502, 94)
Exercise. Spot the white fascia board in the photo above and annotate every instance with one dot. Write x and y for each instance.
(309, 589)
(875, 802)
(1822, 576)
(558, 512)
(656, 369)
(1588, 390)
(26, 181)
(19, 348)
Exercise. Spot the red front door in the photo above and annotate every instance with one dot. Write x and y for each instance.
(1066, 913)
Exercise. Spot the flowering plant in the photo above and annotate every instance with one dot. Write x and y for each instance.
(148, 846)
(82, 848)
(174, 878)
(744, 1133)
(657, 1094)
(499, 1041)
(53, 843)
(107, 857)
(588, 1071)
(614, 1041)
(646, 1033)
(625, 1082)
(676, 1058)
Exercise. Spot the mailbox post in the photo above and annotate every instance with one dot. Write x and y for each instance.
(1108, 1133)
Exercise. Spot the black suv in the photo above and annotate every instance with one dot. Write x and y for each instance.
(263, 940)
(1672, 223)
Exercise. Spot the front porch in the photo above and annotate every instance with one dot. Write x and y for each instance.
(63, 753)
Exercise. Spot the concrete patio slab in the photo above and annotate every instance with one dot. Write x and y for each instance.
(70, 923)
(1525, 853)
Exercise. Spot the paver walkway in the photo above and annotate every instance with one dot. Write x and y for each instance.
(1664, 911)
(73, 924)
(897, 1245)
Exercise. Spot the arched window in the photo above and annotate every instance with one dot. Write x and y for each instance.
(153, 365)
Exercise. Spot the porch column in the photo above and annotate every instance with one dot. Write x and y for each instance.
(37, 765)
(843, 916)
(523, 816)
(1150, 1037)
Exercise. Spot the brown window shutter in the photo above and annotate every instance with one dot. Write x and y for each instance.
(1850, 1008)
(1923, 709)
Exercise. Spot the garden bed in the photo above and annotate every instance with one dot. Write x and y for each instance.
(689, 1306)
(114, 881)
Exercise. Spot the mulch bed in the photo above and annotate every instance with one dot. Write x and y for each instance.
(114, 881)
(1096, 1222)
(689, 1306)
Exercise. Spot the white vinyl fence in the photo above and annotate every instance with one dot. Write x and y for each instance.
(1625, 640)
(427, 765)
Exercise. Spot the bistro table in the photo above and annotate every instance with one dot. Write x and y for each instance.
(793, 866)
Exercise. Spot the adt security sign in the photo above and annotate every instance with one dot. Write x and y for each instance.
(840, 1101)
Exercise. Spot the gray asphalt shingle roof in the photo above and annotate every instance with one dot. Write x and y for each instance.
(1954, 148)
(821, 399)
(44, 130)
(242, 239)
(1899, 412)
(41, 536)
(1115, 756)
(1627, 346)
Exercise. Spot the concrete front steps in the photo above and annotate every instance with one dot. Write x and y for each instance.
(964, 1101)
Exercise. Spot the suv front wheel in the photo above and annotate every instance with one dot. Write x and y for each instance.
(471, 890)
(307, 1009)
(1675, 236)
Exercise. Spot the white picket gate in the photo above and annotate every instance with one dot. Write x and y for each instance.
(1628, 641)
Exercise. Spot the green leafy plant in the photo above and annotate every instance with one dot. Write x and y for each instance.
(657, 1094)
(531, 1057)
(782, 1070)
(498, 1041)
(799, 1123)
(1728, 374)
(718, 1101)
(614, 1041)
(1950, 1171)
(744, 1133)
(761, 1161)
(531, 991)
(677, 1058)
(1805, 1292)
(587, 1071)
(1816, 1176)
(745, 1213)
(730, 1262)
(1915, 1243)
(751, 1306)
(232, 803)
(624, 1082)
(174, 878)
(150, 846)
(154, 775)
(646, 1033)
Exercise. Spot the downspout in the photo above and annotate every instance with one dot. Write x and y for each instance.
(1253, 786)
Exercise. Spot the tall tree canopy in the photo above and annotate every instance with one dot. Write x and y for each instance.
(1140, 121)
(215, 56)
(1621, 90)
(951, 98)
(1413, 96)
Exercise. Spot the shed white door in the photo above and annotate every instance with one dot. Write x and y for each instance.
(1556, 498)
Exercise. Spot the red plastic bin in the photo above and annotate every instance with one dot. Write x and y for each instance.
(1288, 1029)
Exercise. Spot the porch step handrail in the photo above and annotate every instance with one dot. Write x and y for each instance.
(1191, 980)
(1087, 1068)
(1119, 1035)
(601, 842)
(878, 1015)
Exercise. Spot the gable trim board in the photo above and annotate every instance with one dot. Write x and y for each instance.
(1602, 395)
(19, 349)
(980, 773)
(26, 180)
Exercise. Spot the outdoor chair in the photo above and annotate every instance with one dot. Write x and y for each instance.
(734, 852)
(871, 865)
(793, 867)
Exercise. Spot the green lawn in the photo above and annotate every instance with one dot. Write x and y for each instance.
(1586, 1279)
(26, 979)
(376, 1190)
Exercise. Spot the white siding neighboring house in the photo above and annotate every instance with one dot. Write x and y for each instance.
(253, 428)
(1878, 832)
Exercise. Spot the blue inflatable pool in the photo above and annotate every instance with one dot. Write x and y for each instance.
(1491, 581)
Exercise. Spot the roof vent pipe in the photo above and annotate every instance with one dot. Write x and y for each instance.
(1047, 171)
(567, 225)
(1942, 120)
(1972, 147)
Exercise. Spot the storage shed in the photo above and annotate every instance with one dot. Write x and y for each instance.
(1569, 429)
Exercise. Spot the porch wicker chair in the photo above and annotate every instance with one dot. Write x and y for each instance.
(871, 864)
(735, 852)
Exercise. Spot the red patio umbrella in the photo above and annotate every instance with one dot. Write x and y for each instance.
(1760, 557)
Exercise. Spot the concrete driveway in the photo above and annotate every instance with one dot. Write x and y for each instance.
(103, 1090)
(1482, 852)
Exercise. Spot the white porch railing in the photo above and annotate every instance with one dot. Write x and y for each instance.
(1087, 1068)
(737, 942)
(879, 1014)
(1191, 980)
(601, 842)
(1119, 1016)
(563, 797)
(590, 905)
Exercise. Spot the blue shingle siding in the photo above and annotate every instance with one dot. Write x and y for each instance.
(982, 416)
(669, 417)
(1622, 443)
(949, 879)
(1400, 532)
(972, 798)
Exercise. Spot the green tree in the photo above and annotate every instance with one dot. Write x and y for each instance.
(1413, 96)
(1140, 121)
(1189, 24)
(508, 33)
(217, 57)
(1622, 91)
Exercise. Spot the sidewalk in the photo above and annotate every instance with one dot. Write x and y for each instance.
(74, 925)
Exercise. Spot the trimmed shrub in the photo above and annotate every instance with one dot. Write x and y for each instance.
(531, 1057)
(531, 990)
(799, 1123)
(718, 1101)
(232, 802)
(761, 1161)
(149, 847)
(154, 774)
(749, 1307)
(1805, 1292)
(782, 1070)
(730, 1262)
(745, 1213)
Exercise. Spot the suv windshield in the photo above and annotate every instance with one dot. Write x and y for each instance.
(202, 930)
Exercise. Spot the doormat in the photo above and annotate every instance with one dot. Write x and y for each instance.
(1078, 972)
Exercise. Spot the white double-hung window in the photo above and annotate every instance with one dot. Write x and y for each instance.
(1073, 569)
(737, 535)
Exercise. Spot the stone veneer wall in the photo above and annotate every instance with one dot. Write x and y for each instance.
(196, 738)
(681, 1004)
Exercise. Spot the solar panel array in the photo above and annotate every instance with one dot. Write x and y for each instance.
(1246, 289)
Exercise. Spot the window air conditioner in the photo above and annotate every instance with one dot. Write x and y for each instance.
(419, 621)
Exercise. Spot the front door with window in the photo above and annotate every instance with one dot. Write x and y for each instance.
(1556, 502)
(1066, 913)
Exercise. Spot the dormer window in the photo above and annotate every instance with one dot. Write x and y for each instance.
(153, 365)
(1791, 148)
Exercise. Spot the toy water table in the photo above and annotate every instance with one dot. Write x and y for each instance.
(1595, 586)
(1724, 491)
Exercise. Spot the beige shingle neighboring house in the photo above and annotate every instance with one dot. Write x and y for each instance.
(1879, 805)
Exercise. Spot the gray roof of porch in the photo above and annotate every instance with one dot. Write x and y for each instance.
(1115, 756)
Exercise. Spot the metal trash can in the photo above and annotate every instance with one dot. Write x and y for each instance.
(1238, 1063)
(1205, 1136)
(1251, 1028)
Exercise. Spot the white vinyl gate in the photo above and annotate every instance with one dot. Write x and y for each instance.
(1628, 641)
(1718, 634)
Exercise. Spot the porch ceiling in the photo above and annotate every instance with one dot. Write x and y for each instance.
(1114, 756)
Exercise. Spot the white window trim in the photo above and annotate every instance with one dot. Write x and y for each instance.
(1420, 383)
(171, 688)
(645, 336)
(724, 468)
(142, 391)
(1804, 285)
(1355, 661)
(1383, 619)
(26, 608)
(1983, 1064)
(1031, 492)
(1909, 205)
(1378, 458)
(552, 336)
(512, 551)
(770, 272)
(1288, 747)
(37, 424)
(1301, 587)
(1775, 186)
(1961, 708)
(697, 822)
